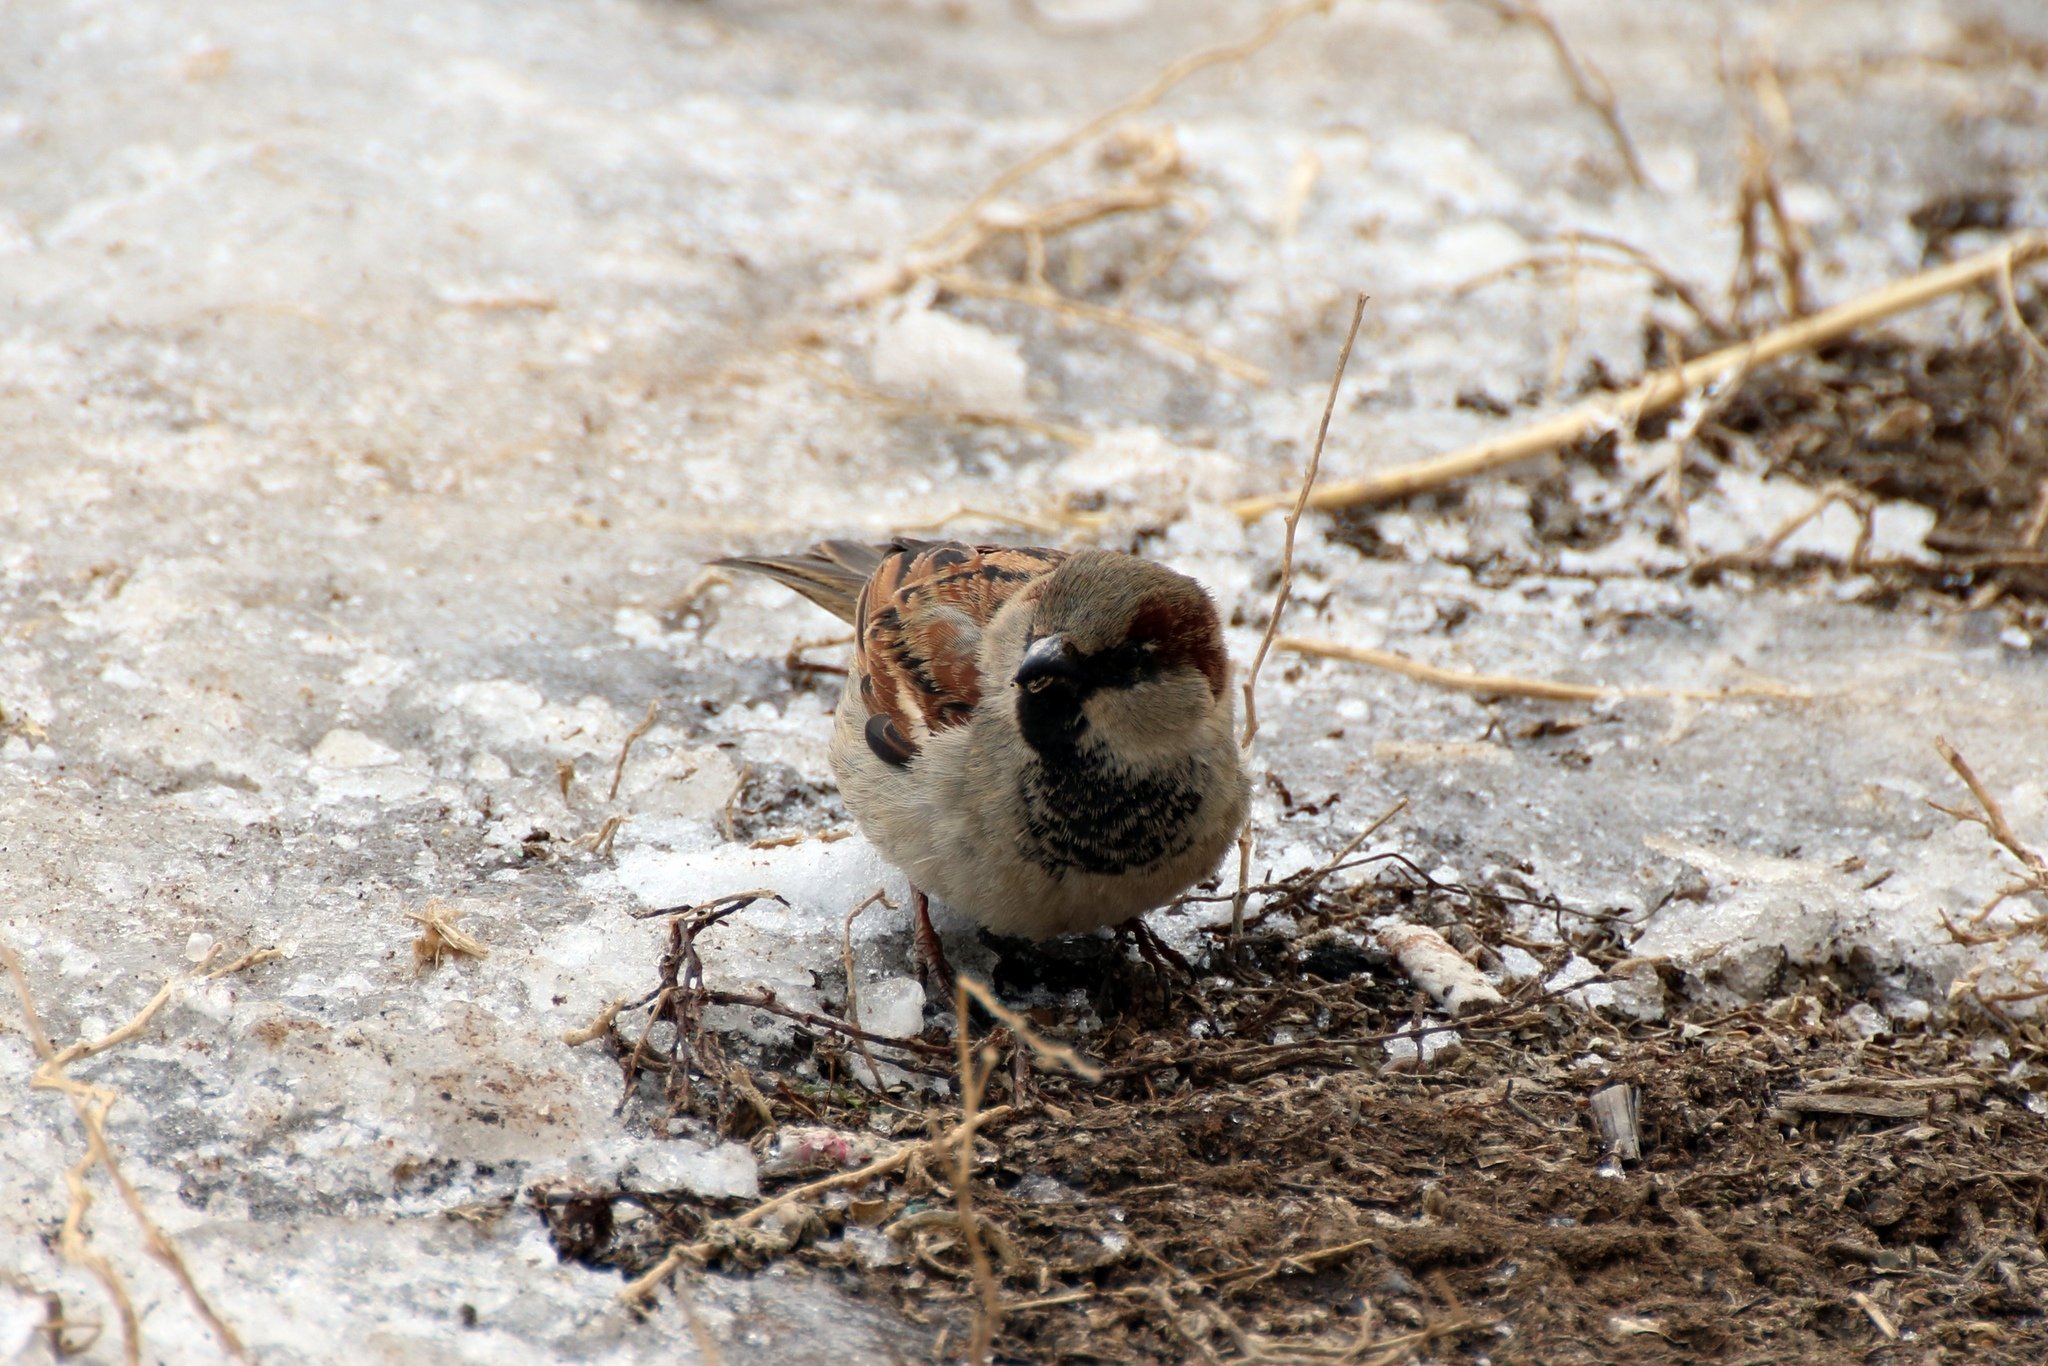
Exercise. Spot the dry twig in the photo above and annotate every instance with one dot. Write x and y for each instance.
(599, 1026)
(253, 958)
(1848, 496)
(732, 801)
(1514, 685)
(2033, 865)
(1762, 197)
(1301, 499)
(941, 254)
(601, 840)
(962, 1133)
(1660, 391)
(880, 894)
(1058, 1054)
(704, 582)
(1281, 597)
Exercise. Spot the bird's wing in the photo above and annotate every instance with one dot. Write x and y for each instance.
(918, 627)
(830, 573)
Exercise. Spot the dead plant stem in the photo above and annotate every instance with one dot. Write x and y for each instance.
(1514, 685)
(1587, 83)
(646, 724)
(1282, 597)
(638, 1290)
(971, 1080)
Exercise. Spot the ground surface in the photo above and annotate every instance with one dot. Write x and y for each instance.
(374, 381)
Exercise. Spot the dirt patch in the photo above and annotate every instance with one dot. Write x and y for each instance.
(1253, 1178)
(1961, 430)
(1958, 428)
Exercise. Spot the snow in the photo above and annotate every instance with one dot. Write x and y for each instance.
(925, 354)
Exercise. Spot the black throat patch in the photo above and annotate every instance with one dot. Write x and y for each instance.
(1083, 813)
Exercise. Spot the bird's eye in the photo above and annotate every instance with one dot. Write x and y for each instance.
(1039, 684)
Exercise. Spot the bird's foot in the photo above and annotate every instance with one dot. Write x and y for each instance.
(1155, 950)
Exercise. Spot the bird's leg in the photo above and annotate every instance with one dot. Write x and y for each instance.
(932, 966)
(1155, 950)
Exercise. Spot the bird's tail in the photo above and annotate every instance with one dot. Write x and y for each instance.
(830, 573)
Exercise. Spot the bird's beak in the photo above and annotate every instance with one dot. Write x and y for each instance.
(1048, 658)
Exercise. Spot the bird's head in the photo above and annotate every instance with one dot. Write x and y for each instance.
(1124, 654)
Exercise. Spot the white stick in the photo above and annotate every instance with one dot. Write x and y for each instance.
(1432, 964)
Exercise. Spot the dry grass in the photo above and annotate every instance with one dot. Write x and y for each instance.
(987, 226)
(441, 938)
(92, 1104)
(646, 724)
(1280, 599)
(1581, 250)
(964, 220)
(2029, 929)
(1285, 591)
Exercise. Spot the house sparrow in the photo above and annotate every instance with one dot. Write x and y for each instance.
(1042, 739)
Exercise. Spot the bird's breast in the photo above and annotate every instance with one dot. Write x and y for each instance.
(1084, 812)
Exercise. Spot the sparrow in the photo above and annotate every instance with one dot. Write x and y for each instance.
(1043, 739)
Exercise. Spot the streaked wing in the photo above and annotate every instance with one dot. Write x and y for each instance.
(918, 630)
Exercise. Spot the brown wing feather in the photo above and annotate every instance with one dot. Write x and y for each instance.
(918, 628)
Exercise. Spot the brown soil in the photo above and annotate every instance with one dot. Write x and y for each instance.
(1251, 1180)
(1961, 429)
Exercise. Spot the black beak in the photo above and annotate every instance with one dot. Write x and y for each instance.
(1049, 657)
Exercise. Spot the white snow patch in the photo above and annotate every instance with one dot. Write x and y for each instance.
(925, 354)
(893, 1007)
(727, 1171)
(345, 748)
